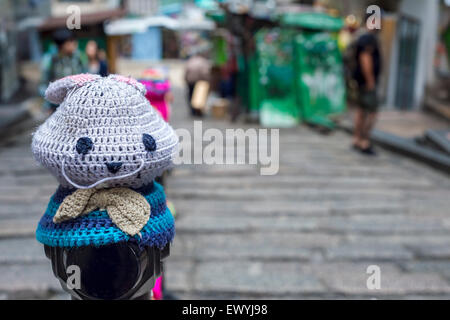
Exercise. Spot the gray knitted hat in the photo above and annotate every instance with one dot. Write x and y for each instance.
(105, 132)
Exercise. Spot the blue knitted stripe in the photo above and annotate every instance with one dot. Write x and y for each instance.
(156, 209)
(156, 199)
(157, 232)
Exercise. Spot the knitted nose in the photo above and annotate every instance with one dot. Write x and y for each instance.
(113, 167)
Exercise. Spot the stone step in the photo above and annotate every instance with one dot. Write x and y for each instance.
(285, 181)
(305, 194)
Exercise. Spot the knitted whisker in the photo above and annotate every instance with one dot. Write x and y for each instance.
(101, 180)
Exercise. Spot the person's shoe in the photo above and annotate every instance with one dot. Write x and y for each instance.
(369, 151)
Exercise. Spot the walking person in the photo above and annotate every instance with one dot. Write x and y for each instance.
(197, 69)
(66, 61)
(96, 64)
(368, 68)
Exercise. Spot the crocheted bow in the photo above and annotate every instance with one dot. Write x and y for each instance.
(128, 210)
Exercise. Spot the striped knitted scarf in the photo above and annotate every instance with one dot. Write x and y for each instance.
(67, 224)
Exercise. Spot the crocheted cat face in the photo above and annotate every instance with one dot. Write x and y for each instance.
(104, 132)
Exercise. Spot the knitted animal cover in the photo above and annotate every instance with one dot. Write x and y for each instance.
(105, 145)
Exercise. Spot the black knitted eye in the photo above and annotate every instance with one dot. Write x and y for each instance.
(149, 142)
(84, 144)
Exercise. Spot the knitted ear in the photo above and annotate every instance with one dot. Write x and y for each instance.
(130, 81)
(57, 91)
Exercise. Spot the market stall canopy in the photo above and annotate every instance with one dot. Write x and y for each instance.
(140, 25)
(312, 20)
(217, 16)
(85, 19)
(30, 22)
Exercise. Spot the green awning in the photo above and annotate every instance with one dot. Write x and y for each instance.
(312, 20)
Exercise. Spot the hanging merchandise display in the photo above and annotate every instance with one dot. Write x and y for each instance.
(319, 79)
(277, 100)
(299, 71)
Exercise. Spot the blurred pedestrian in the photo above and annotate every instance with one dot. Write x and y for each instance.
(96, 62)
(66, 61)
(197, 69)
(367, 71)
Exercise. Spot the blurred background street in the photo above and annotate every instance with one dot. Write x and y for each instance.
(311, 230)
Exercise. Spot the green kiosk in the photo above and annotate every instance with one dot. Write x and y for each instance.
(275, 91)
(300, 71)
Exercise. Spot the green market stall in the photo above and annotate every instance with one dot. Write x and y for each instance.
(319, 80)
(320, 83)
(275, 90)
(299, 72)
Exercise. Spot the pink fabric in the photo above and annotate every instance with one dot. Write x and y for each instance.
(156, 93)
(157, 289)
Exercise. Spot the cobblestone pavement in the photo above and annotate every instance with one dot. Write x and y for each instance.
(310, 231)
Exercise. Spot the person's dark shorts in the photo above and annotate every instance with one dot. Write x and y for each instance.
(368, 100)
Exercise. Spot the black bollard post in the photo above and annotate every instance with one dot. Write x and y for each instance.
(120, 271)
